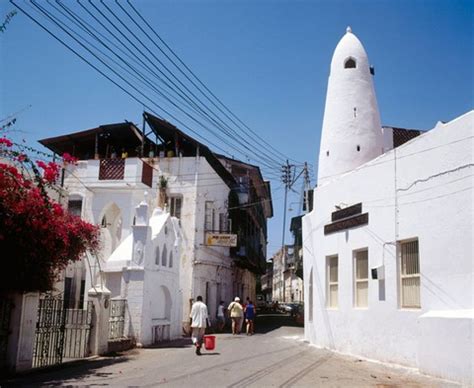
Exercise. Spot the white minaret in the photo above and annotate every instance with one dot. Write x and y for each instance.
(352, 133)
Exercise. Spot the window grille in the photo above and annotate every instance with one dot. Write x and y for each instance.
(409, 275)
(332, 282)
(361, 278)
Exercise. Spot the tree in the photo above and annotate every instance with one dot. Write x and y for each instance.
(38, 237)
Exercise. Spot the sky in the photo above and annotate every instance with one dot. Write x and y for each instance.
(267, 61)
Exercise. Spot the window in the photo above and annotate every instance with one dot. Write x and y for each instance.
(361, 278)
(209, 216)
(174, 204)
(223, 223)
(164, 257)
(74, 206)
(170, 263)
(350, 63)
(157, 256)
(69, 297)
(409, 274)
(332, 281)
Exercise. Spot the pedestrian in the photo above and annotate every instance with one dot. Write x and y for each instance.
(221, 316)
(199, 317)
(236, 312)
(249, 317)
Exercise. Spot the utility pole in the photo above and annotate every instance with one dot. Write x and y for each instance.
(307, 183)
(286, 178)
(287, 181)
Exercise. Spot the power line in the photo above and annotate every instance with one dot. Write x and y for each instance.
(134, 69)
(196, 77)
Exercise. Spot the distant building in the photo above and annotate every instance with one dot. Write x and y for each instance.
(266, 281)
(388, 248)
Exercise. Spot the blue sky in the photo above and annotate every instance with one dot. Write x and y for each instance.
(268, 61)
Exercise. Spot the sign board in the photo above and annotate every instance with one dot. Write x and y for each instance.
(221, 239)
(346, 223)
(347, 212)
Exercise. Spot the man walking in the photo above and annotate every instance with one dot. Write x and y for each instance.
(236, 314)
(198, 317)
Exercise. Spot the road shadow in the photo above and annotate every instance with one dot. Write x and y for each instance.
(269, 321)
(53, 376)
(184, 342)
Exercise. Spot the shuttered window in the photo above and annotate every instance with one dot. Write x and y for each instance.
(409, 274)
(175, 204)
(209, 216)
(361, 281)
(332, 281)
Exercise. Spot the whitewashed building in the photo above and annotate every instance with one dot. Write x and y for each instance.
(221, 241)
(388, 247)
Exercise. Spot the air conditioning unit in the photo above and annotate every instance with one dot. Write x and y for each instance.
(378, 272)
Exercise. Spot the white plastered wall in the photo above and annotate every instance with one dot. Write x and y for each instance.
(423, 190)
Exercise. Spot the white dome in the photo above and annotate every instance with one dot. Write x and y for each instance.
(349, 47)
(351, 133)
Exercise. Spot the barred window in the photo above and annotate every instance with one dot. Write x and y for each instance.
(409, 274)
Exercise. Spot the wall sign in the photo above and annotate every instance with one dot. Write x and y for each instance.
(347, 212)
(221, 239)
(347, 218)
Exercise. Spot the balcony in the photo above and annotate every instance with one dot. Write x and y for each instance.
(113, 172)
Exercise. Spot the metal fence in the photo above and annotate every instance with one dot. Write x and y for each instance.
(60, 333)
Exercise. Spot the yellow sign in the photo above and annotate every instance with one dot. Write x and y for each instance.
(221, 239)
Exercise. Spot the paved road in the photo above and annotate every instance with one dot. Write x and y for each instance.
(276, 356)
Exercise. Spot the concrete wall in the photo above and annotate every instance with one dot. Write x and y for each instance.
(422, 189)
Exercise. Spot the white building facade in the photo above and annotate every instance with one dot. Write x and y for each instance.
(194, 193)
(388, 253)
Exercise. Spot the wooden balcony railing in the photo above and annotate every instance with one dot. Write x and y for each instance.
(112, 169)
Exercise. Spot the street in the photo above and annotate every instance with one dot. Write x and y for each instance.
(275, 356)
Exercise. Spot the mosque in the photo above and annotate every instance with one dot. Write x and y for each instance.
(388, 246)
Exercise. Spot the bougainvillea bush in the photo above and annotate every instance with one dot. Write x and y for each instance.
(38, 237)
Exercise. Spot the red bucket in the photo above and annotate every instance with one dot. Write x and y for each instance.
(209, 342)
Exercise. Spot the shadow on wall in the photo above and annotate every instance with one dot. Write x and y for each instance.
(319, 284)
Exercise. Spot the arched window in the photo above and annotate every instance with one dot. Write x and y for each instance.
(350, 63)
(164, 256)
(157, 256)
(170, 263)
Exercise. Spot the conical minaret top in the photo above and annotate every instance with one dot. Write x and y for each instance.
(352, 133)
